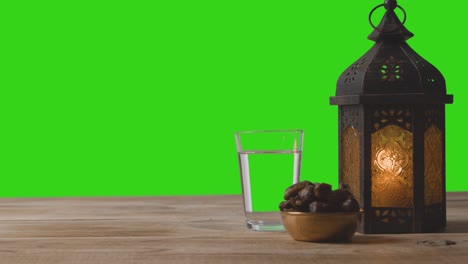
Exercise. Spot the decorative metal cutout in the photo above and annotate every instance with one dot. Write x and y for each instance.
(430, 76)
(434, 115)
(350, 116)
(392, 167)
(353, 71)
(433, 171)
(350, 160)
(394, 114)
(391, 70)
(392, 215)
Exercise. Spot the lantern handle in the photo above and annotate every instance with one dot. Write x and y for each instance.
(388, 5)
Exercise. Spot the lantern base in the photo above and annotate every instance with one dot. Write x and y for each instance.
(391, 220)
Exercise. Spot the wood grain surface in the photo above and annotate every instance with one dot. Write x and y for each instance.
(205, 229)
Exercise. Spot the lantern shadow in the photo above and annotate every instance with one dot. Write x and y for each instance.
(375, 239)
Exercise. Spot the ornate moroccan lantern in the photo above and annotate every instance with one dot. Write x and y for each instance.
(392, 132)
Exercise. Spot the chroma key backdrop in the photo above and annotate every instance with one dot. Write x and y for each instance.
(143, 97)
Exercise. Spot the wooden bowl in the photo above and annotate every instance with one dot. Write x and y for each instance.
(321, 227)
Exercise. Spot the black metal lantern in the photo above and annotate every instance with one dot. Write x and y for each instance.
(392, 132)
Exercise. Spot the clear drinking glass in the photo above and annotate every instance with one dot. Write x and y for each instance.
(269, 162)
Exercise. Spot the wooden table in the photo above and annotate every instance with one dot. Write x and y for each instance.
(207, 229)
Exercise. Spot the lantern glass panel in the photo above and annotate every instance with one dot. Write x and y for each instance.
(433, 166)
(350, 160)
(392, 167)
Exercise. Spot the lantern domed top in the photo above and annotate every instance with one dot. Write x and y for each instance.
(391, 71)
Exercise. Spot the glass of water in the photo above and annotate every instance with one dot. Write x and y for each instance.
(269, 162)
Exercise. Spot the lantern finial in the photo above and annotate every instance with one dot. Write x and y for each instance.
(390, 27)
(390, 4)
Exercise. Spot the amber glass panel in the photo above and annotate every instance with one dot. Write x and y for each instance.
(392, 167)
(433, 189)
(350, 160)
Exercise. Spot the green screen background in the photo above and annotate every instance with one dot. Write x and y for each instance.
(143, 97)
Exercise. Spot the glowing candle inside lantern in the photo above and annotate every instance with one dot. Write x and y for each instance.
(392, 176)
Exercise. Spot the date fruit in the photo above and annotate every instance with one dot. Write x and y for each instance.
(318, 198)
(294, 189)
